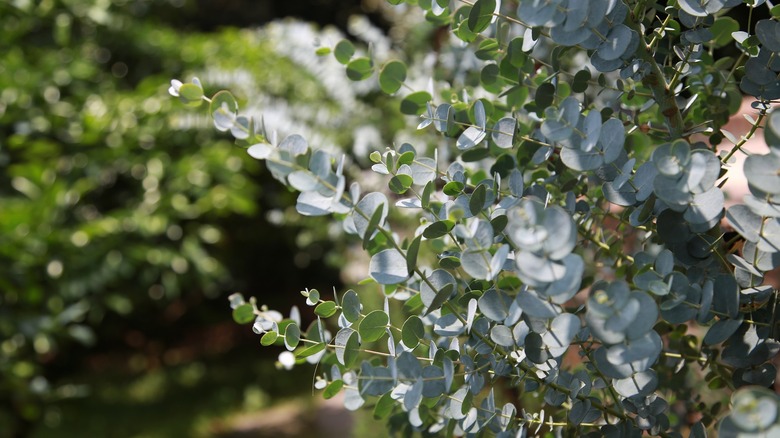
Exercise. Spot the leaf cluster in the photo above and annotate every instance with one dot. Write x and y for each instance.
(572, 216)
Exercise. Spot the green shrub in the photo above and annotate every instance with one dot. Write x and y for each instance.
(115, 200)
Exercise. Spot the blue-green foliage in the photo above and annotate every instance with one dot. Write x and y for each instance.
(521, 219)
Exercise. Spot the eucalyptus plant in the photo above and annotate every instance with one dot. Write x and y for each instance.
(574, 244)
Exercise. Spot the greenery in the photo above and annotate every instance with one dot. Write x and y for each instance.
(551, 248)
(125, 217)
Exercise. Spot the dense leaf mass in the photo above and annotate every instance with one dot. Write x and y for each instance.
(572, 223)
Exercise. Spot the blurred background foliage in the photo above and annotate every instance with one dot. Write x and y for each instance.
(125, 219)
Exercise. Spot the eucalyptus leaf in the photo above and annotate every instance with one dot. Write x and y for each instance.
(311, 351)
(571, 37)
(754, 409)
(538, 271)
(701, 171)
(325, 309)
(535, 306)
(359, 69)
(225, 104)
(409, 368)
(333, 389)
(639, 385)
(344, 51)
(449, 325)
(563, 289)
(494, 304)
(292, 336)
(471, 137)
(415, 103)
(373, 326)
(768, 32)
(768, 205)
(244, 314)
(705, 207)
(555, 126)
(640, 353)
(721, 330)
(352, 399)
(388, 267)
(477, 199)
(577, 159)
(705, 306)
(412, 331)
(561, 333)
(762, 172)
(303, 180)
(769, 239)
(459, 404)
(366, 208)
(444, 117)
(392, 76)
(504, 132)
(745, 222)
(516, 183)
(242, 128)
(616, 43)
(350, 306)
(693, 7)
(191, 93)
(437, 289)
(438, 229)
(411, 254)
(374, 380)
(761, 260)
(562, 233)
(478, 263)
(481, 15)
(434, 381)
(502, 335)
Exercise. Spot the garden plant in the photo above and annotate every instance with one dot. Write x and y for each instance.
(118, 205)
(553, 244)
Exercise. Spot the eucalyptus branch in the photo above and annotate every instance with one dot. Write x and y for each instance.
(656, 82)
(753, 128)
(504, 299)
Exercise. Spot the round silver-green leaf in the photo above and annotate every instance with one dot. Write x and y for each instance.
(373, 326)
(388, 267)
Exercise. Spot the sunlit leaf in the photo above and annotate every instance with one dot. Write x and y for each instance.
(762, 172)
(244, 314)
(443, 284)
(392, 76)
(292, 336)
(326, 309)
(503, 132)
(360, 69)
(388, 267)
(415, 103)
(412, 331)
(616, 43)
(333, 389)
(373, 326)
(481, 15)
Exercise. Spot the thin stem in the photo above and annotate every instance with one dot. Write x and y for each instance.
(738, 147)
(678, 72)
(656, 82)
(656, 35)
